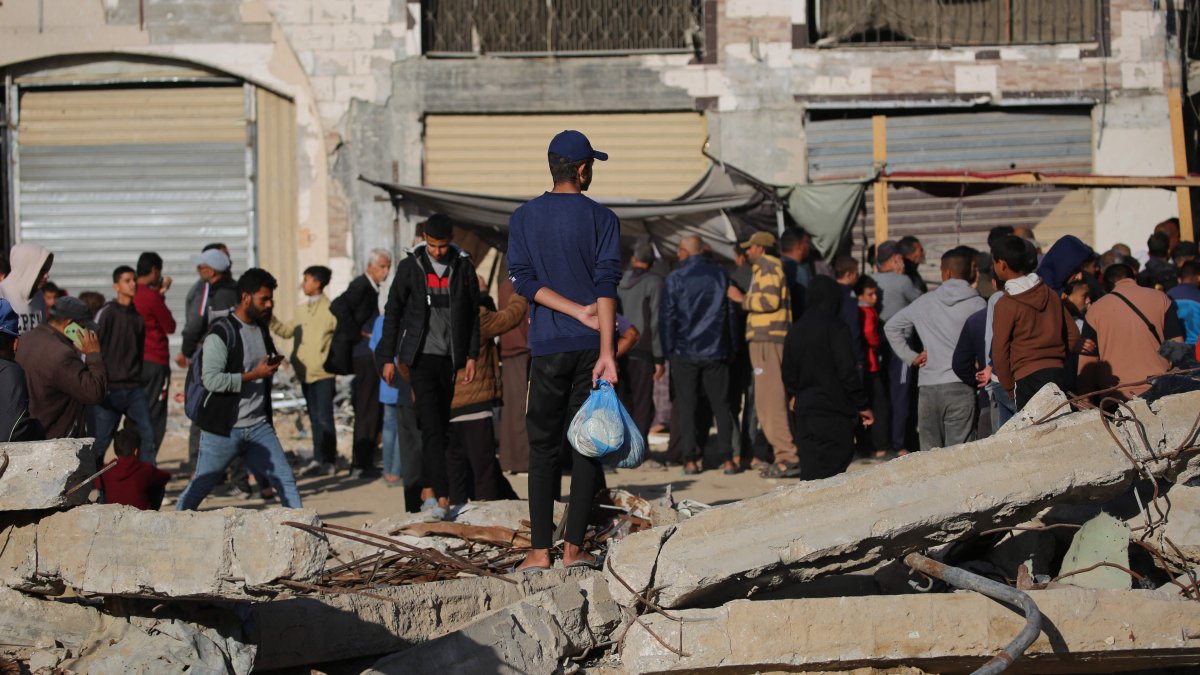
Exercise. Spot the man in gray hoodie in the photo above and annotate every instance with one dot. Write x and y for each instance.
(946, 406)
(639, 293)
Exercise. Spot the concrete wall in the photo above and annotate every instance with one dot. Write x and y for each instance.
(362, 89)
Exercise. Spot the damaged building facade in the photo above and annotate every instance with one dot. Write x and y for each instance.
(251, 121)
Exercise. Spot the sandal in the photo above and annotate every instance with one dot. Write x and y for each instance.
(788, 470)
(596, 563)
(691, 469)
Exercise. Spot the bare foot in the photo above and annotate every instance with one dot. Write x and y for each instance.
(573, 554)
(538, 557)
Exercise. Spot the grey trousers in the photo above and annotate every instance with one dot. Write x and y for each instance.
(945, 414)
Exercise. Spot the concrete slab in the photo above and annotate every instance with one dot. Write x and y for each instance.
(531, 636)
(1083, 631)
(40, 473)
(29, 621)
(316, 629)
(119, 550)
(1183, 519)
(854, 520)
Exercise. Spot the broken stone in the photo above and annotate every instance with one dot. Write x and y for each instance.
(316, 629)
(854, 520)
(1183, 519)
(27, 621)
(165, 647)
(46, 660)
(40, 473)
(1049, 399)
(943, 632)
(533, 635)
(1102, 539)
(119, 550)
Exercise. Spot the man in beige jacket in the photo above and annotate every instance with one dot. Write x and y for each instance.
(313, 332)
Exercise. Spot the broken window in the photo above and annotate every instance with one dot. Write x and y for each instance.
(954, 22)
(560, 27)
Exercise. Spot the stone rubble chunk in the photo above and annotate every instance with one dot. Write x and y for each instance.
(163, 647)
(939, 632)
(925, 499)
(120, 550)
(531, 636)
(1102, 539)
(40, 473)
(1049, 399)
(30, 621)
(315, 629)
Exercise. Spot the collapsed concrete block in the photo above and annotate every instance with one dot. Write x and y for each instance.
(120, 550)
(534, 635)
(27, 621)
(854, 520)
(1048, 401)
(1102, 539)
(315, 629)
(163, 647)
(40, 473)
(951, 632)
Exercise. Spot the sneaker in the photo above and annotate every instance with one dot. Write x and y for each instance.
(315, 468)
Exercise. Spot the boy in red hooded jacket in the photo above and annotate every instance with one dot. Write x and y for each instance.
(132, 482)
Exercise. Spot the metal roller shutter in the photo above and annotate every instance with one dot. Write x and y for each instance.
(974, 141)
(106, 173)
(651, 155)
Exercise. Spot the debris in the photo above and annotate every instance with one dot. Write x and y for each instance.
(168, 646)
(1101, 547)
(39, 474)
(27, 621)
(1183, 524)
(939, 632)
(854, 520)
(119, 550)
(1048, 404)
(501, 536)
(534, 635)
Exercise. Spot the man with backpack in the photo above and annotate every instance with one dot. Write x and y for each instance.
(229, 396)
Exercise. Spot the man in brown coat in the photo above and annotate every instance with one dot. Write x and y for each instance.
(472, 468)
(61, 383)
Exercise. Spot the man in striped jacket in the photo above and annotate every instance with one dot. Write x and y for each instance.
(769, 313)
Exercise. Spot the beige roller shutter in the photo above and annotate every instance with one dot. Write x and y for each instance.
(651, 155)
(104, 173)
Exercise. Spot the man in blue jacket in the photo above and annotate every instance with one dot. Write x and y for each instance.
(695, 320)
(564, 257)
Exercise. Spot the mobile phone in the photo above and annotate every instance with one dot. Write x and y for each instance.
(275, 360)
(75, 333)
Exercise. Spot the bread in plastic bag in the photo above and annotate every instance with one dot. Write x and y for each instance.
(598, 429)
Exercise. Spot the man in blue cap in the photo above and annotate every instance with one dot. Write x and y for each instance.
(15, 423)
(564, 257)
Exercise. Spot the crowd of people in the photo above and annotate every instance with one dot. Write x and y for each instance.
(800, 363)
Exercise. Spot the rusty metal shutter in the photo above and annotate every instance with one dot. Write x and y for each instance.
(105, 173)
(962, 141)
(651, 155)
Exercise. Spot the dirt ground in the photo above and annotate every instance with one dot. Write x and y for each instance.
(340, 500)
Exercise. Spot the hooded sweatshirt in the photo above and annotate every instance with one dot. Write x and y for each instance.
(27, 261)
(1031, 330)
(820, 362)
(1061, 261)
(639, 292)
(938, 318)
(131, 482)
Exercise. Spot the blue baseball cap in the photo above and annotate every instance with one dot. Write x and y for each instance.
(575, 147)
(8, 319)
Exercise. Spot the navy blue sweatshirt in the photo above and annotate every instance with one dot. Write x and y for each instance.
(570, 244)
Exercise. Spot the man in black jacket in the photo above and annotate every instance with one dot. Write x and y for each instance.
(15, 422)
(695, 322)
(122, 342)
(430, 330)
(355, 311)
(824, 387)
(238, 360)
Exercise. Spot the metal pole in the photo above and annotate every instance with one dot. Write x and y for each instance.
(963, 579)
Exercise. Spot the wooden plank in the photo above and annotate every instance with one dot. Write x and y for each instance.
(879, 158)
(1179, 154)
(1033, 178)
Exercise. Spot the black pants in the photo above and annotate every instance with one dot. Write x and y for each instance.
(689, 379)
(1031, 384)
(433, 392)
(636, 391)
(318, 398)
(156, 378)
(472, 468)
(877, 437)
(558, 385)
(825, 444)
(368, 412)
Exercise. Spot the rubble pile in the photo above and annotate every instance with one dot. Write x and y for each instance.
(1068, 542)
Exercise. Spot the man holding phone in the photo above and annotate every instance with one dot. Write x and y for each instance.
(63, 369)
(238, 360)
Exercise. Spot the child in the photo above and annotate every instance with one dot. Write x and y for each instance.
(401, 437)
(1075, 293)
(132, 482)
(874, 375)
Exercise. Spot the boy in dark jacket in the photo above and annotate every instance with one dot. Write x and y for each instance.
(825, 392)
(132, 482)
(431, 328)
(1032, 333)
(122, 335)
(15, 423)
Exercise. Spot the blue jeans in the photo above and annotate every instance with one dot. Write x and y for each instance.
(259, 446)
(318, 397)
(129, 403)
(1002, 405)
(401, 443)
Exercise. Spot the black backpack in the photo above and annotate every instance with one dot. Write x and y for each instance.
(194, 393)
